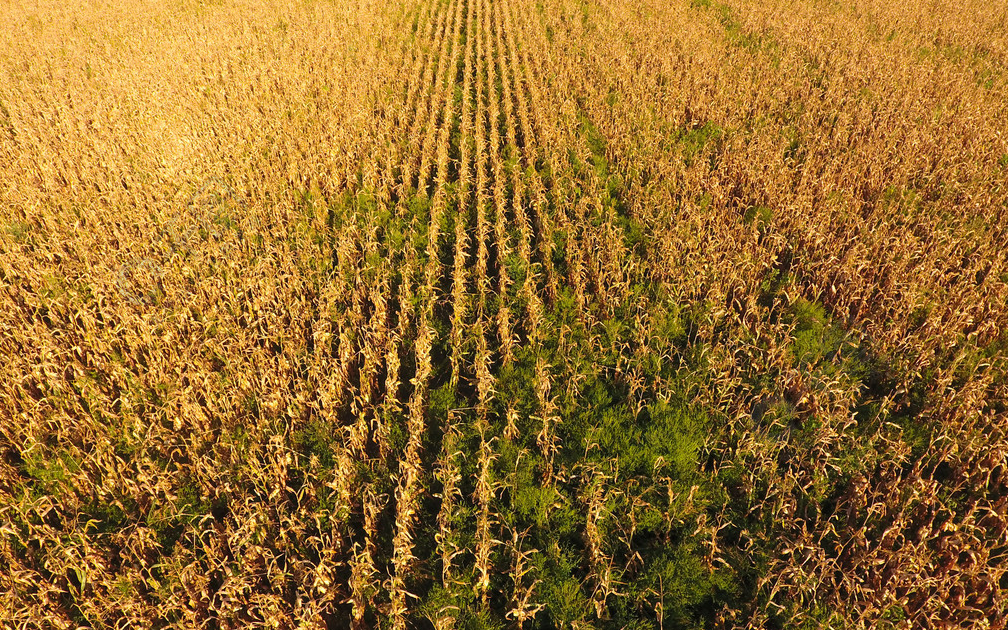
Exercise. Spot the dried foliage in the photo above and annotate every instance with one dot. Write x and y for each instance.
(486, 313)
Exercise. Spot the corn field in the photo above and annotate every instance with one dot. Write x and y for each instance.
(504, 314)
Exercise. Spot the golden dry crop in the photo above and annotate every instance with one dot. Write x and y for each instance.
(504, 313)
